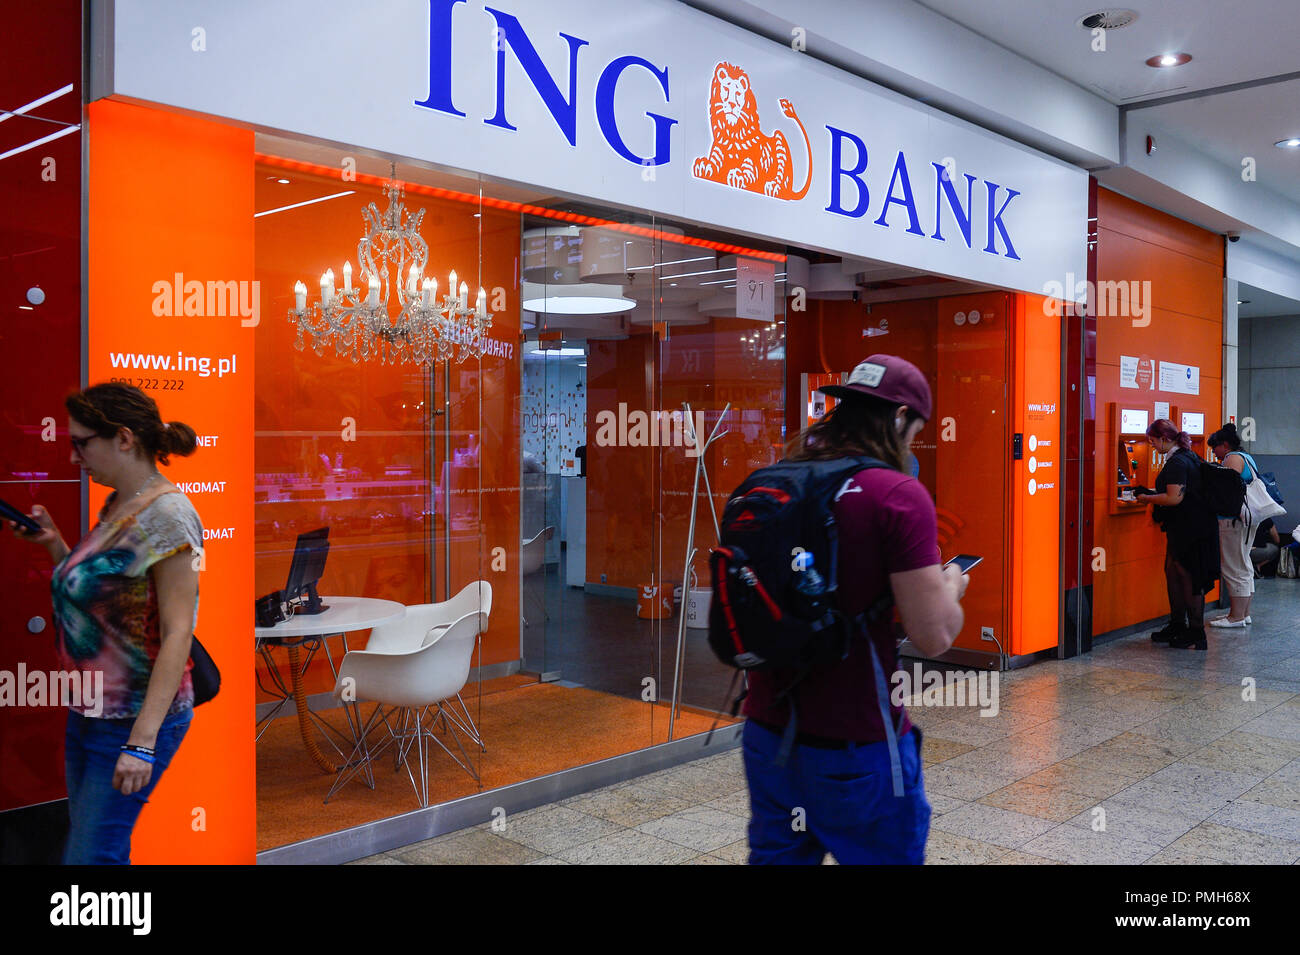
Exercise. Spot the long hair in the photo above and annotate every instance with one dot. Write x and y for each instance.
(107, 408)
(1164, 429)
(1227, 435)
(858, 425)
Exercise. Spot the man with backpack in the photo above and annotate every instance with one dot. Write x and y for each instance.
(815, 553)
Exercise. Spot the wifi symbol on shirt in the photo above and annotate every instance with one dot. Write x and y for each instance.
(949, 526)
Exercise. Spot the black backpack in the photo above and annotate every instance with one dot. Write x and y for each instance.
(758, 618)
(1223, 489)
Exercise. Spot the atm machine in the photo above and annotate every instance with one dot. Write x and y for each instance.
(1133, 462)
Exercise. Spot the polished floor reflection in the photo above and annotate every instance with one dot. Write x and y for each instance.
(1183, 769)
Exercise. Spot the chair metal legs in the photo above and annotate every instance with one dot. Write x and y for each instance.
(412, 732)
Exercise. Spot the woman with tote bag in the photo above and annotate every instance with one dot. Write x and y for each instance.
(1236, 535)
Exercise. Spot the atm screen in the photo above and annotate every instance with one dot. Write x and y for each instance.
(1132, 421)
(1194, 422)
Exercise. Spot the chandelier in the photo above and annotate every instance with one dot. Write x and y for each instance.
(360, 321)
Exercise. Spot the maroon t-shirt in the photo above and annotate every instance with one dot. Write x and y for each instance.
(886, 526)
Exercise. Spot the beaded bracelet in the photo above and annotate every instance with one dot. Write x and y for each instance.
(143, 753)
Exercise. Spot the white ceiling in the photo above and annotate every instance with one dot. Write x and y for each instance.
(1238, 96)
(1241, 123)
(1230, 42)
(1257, 303)
(1250, 42)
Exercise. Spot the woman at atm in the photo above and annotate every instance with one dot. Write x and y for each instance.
(1235, 535)
(1191, 536)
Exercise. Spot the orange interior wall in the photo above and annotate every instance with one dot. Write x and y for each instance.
(966, 367)
(620, 480)
(972, 498)
(171, 194)
(1185, 266)
(390, 495)
(631, 490)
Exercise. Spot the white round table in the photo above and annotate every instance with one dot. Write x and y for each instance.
(345, 614)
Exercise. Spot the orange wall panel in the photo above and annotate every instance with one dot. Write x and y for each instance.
(1036, 479)
(144, 229)
(1185, 266)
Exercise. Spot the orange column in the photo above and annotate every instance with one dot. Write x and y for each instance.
(1036, 478)
(171, 210)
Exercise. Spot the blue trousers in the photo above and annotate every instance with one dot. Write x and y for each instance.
(839, 801)
(102, 818)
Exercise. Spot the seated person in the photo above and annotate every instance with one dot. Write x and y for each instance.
(1267, 547)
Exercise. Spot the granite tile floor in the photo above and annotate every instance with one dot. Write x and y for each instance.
(1131, 754)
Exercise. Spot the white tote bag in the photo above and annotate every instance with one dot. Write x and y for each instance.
(1261, 505)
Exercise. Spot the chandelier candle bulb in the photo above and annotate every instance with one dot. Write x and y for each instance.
(347, 276)
(480, 307)
(464, 295)
(373, 298)
(413, 279)
(299, 296)
(451, 284)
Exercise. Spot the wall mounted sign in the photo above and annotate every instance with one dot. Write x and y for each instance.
(1180, 379)
(671, 111)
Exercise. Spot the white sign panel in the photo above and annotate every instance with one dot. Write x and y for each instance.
(1162, 410)
(1180, 379)
(1128, 368)
(755, 286)
(1194, 422)
(665, 109)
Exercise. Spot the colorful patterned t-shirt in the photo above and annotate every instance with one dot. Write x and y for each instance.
(106, 603)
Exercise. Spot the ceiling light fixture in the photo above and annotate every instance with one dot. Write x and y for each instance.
(660, 265)
(297, 205)
(1165, 60)
(1292, 143)
(40, 142)
(39, 101)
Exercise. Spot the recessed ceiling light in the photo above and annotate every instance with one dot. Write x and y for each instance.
(1169, 59)
(283, 182)
(1292, 143)
(1243, 301)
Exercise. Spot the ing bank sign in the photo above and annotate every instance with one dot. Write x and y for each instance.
(653, 106)
(739, 154)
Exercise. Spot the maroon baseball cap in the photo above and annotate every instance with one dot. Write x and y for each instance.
(890, 378)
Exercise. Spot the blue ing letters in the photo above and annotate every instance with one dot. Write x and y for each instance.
(847, 153)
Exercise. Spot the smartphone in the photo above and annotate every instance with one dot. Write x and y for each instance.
(965, 561)
(11, 513)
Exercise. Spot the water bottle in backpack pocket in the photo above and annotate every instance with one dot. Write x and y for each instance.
(774, 571)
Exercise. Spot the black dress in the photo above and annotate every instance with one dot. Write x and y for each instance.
(1192, 526)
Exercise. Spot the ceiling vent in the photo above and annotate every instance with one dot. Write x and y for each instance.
(1108, 19)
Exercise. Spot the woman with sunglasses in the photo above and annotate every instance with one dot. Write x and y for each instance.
(125, 602)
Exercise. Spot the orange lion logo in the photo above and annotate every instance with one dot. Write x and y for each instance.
(742, 155)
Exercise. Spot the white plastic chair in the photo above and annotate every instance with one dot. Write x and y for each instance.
(422, 620)
(413, 687)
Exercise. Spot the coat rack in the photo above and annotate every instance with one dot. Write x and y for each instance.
(700, 474)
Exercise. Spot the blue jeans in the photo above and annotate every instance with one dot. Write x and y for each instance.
(102, 818)
(847, 800)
